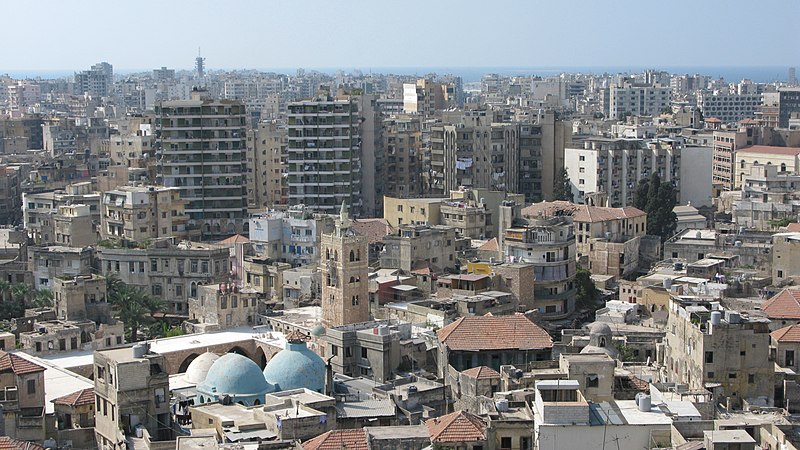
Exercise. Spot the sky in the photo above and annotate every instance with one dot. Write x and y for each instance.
(51, 35)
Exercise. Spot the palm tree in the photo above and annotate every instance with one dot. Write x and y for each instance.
(21, 292)
(5, 289)
(113, 285)
(135, 308)
(43, 298)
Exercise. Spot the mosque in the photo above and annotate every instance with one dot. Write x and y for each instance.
(237, 379)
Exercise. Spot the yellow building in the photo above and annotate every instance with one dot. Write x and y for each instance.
(787, 159)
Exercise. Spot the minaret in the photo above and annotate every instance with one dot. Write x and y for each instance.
(345, 284)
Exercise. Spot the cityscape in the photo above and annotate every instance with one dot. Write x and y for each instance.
(428, 245)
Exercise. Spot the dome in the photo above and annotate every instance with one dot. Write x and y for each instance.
(592, 349)
(296, 367)
(198, 368)
(600, 328)
(237, 376)
(318, 330)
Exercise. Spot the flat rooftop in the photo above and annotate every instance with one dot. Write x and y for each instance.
(58, 381)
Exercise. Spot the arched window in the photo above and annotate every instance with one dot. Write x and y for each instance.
(602, 341)
(352, 255)
(193, 290)
(336, 255)
(783, 167)
(358, 255)
(742, 164)
(352, 279)
(327, 253)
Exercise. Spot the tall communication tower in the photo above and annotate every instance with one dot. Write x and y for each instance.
(200, 65)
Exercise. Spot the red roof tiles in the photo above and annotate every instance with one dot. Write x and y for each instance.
(17, 364)
(459, 426)
(374, 229)
(473, 333)
(581, 213)
(482, 373)
(77, 398)
(337, 440)
(783, 305)
(490, 245)
(6, 443)
(787, 334)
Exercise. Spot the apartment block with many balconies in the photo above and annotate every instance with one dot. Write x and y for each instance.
(325, 154)
(202, 152)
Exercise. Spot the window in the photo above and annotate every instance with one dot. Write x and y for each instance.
(399, 208)
(153, 265)
(157, 290)
(789, 357)
(592, 380)
(709, 357)
(193, 265)
(348, 352)
(505, 443)
(204, 267)
(334, 350)
(363, 352)
(132, 267)
(751, 378)
(178, 290)
(31, 387)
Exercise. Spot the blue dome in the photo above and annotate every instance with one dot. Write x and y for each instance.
(237, 376)
(296, 367)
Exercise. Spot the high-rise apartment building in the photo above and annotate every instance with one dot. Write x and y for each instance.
(725, 145)
(325, 154)
(402, 148)
(97, 81)
(729, 107)
(202, 146)
(637, 99)
(788, 106)
(267, 153)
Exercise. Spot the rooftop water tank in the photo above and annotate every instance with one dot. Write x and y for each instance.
(644, 403)
(716, 317)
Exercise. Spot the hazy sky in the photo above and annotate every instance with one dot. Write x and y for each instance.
(145, 34)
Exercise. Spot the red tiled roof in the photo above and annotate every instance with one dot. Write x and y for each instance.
(472, 333)
(787, 334)
(374, 229)
(235, 239)
(77, 398)
(6, 443)
(481, 372)
(770, 150)
(712, 120)
(17, 364)
(792, 228)
(783, 305)
(581, 213)
(337, 440)
(490, 245)
(459, 426)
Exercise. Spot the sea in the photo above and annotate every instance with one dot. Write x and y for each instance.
(759, 74)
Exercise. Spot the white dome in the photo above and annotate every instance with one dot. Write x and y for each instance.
(198, 369)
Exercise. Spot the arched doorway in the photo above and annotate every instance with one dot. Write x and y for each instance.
(185, 364)
(261, 358)
(239, 351)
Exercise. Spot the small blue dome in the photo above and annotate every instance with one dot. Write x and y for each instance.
(237, 376)
(296, 367)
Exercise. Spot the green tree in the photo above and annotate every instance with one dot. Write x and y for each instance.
(11, 306)
(135, 308)
(587, 295)
(21, 292)
(43, 298)
(562, 187)
(657, 199)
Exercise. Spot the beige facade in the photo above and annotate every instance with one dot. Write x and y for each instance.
(726, 145)
(22, 397)
(73, 226)
(733, 352)
(402, 211)
(785, 159)
(402, 146)
(345, 282)
(220, 306)
(82, 298)
(417, 243)
(265, 277)
(767, 196)
(785, 258)
(266, 163)
(131, 387)
(139, 213)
